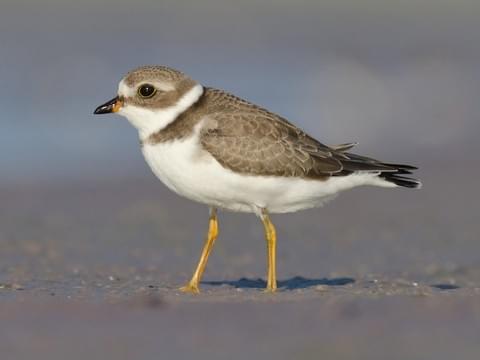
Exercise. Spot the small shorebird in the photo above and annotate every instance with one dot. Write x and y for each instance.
(215, 148)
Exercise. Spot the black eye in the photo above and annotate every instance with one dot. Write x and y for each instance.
(147, 91)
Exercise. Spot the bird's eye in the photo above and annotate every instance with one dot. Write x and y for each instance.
(146, 91)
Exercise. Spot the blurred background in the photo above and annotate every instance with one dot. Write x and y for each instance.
(78, 204)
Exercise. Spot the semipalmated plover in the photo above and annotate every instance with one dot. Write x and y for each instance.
(215, 148)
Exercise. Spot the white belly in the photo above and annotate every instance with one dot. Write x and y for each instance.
(193, 173)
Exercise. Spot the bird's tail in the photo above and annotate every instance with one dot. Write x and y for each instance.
(393, 173)
(399, 177)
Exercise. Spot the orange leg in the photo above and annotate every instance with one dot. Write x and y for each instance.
(271, 238)
(192, 285)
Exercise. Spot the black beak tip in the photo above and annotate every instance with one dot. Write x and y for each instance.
(102, 109)
(106, 108)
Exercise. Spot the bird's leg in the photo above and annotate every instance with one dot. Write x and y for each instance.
(271, 238)
(192, 285)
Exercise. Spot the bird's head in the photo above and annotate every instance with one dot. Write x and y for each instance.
(151, 97)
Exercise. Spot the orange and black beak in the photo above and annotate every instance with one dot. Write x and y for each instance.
(111, 106)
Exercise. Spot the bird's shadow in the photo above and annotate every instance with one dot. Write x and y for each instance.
(296, 282)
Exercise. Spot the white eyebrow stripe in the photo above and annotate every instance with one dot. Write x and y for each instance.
(127, 91)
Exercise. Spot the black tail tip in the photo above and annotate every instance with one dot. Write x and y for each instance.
(402, 181)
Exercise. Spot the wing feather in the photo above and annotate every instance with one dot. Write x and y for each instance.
(262, 144)
(248, 139)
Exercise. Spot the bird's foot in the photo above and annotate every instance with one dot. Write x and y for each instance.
(270, 289)
(190, 288)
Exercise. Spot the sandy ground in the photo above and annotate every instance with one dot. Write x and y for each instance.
(91, 270)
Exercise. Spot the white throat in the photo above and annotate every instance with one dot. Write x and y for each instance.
(149, 121)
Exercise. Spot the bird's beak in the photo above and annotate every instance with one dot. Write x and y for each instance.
(111, 106)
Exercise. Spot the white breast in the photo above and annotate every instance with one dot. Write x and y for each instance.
(185, 168)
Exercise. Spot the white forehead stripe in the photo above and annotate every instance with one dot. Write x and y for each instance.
(125, 90)
(149, 121)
